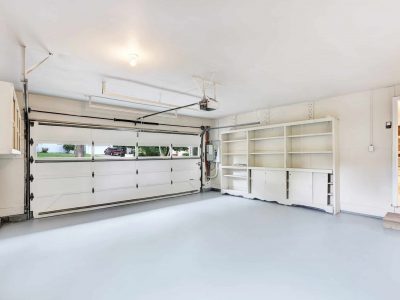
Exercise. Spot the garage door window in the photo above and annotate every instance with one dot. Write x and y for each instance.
(114, 152)
(63, 151)
(186, 151)
(154, 151)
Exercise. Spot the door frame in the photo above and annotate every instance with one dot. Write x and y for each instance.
(395, 151)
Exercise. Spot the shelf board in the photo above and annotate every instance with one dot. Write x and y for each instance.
(267, 168)
(310, 135)
(267, 138)
(310, 152)
(235, 176)
(234, 153)
(267, 153)
(235, 141)
(328, 171)
(235, 167)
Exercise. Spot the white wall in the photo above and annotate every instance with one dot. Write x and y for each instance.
(12, 170)
(365, 177)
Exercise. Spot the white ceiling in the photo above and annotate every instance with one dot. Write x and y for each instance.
(264, 53)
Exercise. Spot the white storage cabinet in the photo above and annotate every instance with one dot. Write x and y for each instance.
(292, 163)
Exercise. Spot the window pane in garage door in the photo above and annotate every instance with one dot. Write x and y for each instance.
(114, 152)
(188, 151)
(63, 151)
(154, 151)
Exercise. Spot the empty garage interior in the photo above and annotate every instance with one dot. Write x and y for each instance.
(199, 149)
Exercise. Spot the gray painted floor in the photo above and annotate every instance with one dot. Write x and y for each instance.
(204, 246)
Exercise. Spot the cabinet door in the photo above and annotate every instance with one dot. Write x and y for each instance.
(275, 186)
(300, 188)
(258, 184)
(320, 189)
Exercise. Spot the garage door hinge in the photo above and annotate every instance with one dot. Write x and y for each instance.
(171, 169)
(92, 190)
(171, 182)
(137, 186)
(31, 197)
(31, 160)
(31, 178)
(93, 174)
(137, 171)
(92, 143)
(31, 141)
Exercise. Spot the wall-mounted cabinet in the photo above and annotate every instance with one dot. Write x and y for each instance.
(10, 121)
(292, 163)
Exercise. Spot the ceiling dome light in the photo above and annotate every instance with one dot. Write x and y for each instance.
(133, 59)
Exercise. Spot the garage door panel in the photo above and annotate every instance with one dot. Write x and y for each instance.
(154, 179)
(58, 186)
(61, 134)
(185, 175)
(61, 170)
(116, 137)
(114, 181)
(155, 190)
(61, 201)
(160, 139)
(154, 166)
(85, 184)
(186, 186)
(114, 167)
(115, 195)
(186, 164)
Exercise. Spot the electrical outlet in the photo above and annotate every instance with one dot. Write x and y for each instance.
(371, 148)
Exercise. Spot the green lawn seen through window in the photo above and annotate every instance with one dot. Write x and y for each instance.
(59, 154)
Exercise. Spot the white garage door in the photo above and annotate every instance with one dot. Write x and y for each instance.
(82, 168)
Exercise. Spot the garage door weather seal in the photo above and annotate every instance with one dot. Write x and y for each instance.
(117, 203)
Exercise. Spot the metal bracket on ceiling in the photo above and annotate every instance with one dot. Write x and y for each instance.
(206, 84)
(26, 71)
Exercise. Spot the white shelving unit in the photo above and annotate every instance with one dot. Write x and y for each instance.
(10, 122)
(292, 163)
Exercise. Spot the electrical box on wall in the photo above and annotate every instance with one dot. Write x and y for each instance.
(210, 153)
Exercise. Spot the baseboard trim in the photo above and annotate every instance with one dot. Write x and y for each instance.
(360, 214)
(211, 190)
(13, 219)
